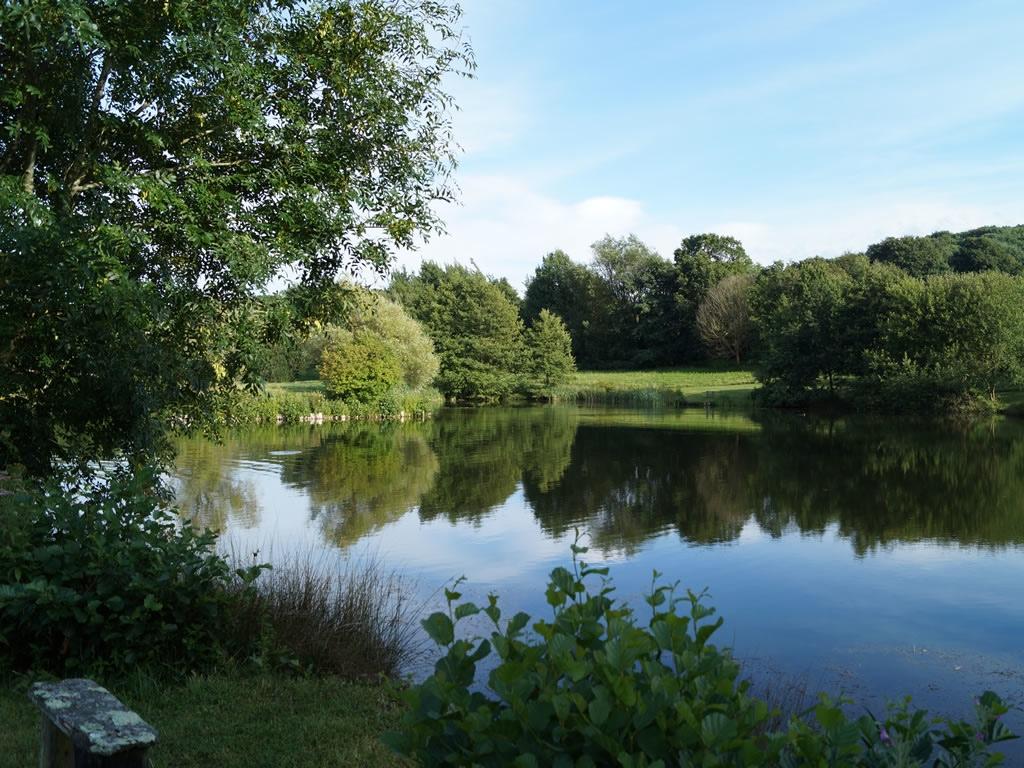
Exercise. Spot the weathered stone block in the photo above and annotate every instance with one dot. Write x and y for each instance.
(84, 725)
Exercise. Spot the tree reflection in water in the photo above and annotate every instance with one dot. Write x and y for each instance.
(628, 477)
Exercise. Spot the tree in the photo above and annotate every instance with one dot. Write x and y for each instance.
(982, 252)
(723, 318)
(918, 256)
(641, 322)
(475, 327)
(387, 320)
(359, 367)
(161, 162)
(800, 315)
(712, 249)
(576, 295)
(550, 347)
(970, 335)
(701, 261)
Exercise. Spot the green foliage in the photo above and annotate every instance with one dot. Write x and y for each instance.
(412, 347)
(630, 307)
(642, 326)
(701, 262)
(359, 367)
(977, 250)
(594, 686)
(885, 339)
(918, 256)
(800, 320)
(551, 361)
(99, 579)
(578, 296)
(160, 163)
(475, 327)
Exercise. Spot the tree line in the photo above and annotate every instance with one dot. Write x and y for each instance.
(912, 323)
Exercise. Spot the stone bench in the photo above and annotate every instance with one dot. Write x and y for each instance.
(84, 725)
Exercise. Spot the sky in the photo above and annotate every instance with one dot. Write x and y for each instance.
(802, 128)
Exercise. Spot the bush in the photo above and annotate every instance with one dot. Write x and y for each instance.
(98, 578)
(593, 687)
(359, 367)
(405, 337)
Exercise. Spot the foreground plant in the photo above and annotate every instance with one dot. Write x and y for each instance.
(98, 575)
(594, 687)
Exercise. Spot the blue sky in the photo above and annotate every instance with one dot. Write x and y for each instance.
(802, 128)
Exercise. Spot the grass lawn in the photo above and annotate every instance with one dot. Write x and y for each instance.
(231, 722)
(721, 386)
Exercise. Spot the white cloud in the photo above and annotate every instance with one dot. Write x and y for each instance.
(801, 231)
(505, 226)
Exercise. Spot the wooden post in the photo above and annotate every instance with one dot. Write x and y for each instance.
(84, 726)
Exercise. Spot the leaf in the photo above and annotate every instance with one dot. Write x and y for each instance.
(152, 604)
(516, 624)
(439, 628)
(716, 728)
(466, 609)
(599, 708)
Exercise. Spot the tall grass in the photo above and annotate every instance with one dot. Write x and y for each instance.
(641, 397)
(356, 623)
(284, 403)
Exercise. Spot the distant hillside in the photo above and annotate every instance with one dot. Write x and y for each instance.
(976, 250)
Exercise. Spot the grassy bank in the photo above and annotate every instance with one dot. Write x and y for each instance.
(299, 401)
(676, 387)
(673, 387)
(237, 722)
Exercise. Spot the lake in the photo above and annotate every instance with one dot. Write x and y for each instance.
(873, 557)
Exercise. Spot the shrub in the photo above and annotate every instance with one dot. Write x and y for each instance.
(359, 367)
(593, 687)
(102, 577)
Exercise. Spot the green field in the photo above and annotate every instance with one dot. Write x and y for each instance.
(695, 386)
(236, 722)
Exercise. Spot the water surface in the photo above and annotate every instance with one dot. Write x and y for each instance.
(867, 556)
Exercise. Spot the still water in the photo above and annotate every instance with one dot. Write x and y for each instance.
(875, 558)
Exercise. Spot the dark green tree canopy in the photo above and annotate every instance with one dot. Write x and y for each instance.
(917, 256)
(578, 296)
(643, 323)
(999, 249)
(160, 163)
(475, 327)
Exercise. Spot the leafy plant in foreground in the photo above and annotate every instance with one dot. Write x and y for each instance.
(102, 577)
(593, 687)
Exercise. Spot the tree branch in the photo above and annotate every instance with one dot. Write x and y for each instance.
(28, 177)
(88, 135)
